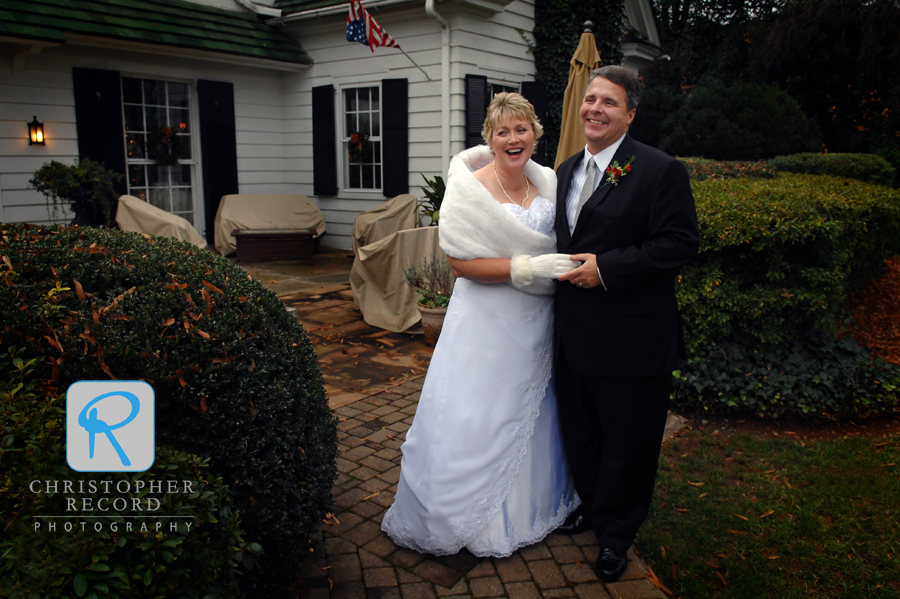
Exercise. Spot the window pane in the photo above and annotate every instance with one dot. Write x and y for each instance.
(354, 176)
(377, 176)
(188, 216)
(157, 176)
(156, 118)
(350, 97)
(364, 99)
(154, 92)
(139, 193)
(131, 90)
(181, 199)
(160, 198)
(364, 124)
(181, 174)
(179, 120)
(185, 147)
(376, 152)
(134, 118)
(376, 126)
(178, 95)
(368, 177)
(351, 124)
(375, 102)
(136, 176)
(134, 144)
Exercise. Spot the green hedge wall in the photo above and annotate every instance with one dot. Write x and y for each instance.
(200, 561)
(777, 258)
(236, 378)
(865, 167)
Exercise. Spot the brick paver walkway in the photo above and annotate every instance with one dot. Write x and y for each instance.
(354, 559)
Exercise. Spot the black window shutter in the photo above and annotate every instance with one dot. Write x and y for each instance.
(395, 136)
(218, 147)
(476, 108)
(536, 93)
(98, 119)
(324, 142)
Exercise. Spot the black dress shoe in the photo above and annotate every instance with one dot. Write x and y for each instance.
(575, 524)
(611, 564)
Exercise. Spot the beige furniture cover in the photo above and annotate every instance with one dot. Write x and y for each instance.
(264, 211)
(396, 214)
(134, 214)
(379, 287)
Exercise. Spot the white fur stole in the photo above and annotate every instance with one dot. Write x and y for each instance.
(475, 225)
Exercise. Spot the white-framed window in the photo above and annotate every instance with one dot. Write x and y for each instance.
(161, 145)
(496, 88)
(361, 138)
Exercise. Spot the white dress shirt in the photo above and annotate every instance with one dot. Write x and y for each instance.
(602, 158)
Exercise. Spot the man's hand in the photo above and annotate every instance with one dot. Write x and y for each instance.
(586, 275)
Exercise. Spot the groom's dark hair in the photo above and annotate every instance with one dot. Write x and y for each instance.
(621, 76)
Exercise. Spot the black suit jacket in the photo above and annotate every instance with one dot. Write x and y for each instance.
(641, 230)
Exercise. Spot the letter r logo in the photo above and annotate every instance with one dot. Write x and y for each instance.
(110, 426)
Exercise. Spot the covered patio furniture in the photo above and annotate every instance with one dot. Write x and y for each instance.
(283, 217)
(134, 214)
(379, 287)
(397, 214)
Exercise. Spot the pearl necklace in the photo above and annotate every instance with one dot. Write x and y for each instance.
(527, 187)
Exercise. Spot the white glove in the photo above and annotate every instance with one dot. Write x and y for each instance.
(525, 269)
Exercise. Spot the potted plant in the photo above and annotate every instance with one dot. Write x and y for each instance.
(88, 187)
(430, 204)
(433, 281)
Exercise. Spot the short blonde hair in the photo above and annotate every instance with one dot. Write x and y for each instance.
(509, 104)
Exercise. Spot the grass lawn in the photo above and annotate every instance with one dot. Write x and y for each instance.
(741, 516)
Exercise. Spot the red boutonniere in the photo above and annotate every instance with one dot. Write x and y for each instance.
(615, 172)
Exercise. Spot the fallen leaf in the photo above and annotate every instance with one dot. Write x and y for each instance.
(767, 514)
(695, 484)
(736, 532)
(213, 287)
(79, 290)
(722, 577)
(741, 517)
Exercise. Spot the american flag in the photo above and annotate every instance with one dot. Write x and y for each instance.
(362, 28)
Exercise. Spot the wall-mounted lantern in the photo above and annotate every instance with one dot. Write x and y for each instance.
(35, 133)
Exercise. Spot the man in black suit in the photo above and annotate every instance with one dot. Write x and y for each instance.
(626, 211)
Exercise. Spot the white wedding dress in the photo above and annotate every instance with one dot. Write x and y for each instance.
(483, 464)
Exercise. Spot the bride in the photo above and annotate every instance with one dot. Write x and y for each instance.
(483, 465)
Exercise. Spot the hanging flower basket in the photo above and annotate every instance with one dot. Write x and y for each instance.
(164, 146)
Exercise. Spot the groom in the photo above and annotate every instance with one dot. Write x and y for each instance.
(626, 211)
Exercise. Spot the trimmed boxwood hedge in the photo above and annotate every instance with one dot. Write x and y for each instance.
(202, 561)
(777, 258)
(701, 169)
(865, 167)
(236, 378)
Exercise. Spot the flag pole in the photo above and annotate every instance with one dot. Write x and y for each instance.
(414, 62)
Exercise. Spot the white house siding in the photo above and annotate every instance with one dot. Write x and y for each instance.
(480, 45)
(41, 84)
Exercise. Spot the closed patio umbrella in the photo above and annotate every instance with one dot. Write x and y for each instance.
(585, 60)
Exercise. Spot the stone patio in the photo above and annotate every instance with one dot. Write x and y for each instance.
(373, 379)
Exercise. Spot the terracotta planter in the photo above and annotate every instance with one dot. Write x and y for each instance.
(432, 322)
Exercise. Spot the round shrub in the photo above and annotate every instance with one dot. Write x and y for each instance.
(235, 377)
(865, 167)
(120, 559)
(743, 121)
